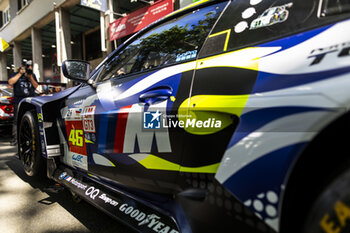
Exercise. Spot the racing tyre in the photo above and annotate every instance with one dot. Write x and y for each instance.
(331, 210)
(29, 145)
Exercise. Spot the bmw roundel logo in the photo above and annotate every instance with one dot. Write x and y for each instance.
(62, 175)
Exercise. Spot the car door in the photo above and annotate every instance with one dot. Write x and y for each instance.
(128, 123)
(254, 67)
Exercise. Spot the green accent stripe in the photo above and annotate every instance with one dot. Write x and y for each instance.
(88, 141)
(205, 169)
(156, 163)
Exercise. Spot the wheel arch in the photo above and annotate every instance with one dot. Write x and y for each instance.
(47, 109)
(23, 108)
(314, 168)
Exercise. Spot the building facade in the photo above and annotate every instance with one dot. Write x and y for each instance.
(51, 31)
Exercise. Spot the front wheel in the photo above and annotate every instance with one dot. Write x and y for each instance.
(29, 145)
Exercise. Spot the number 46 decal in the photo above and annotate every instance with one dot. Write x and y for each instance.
(76, 137)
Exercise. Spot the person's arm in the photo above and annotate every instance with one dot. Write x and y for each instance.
(15, 78)
(33, 81)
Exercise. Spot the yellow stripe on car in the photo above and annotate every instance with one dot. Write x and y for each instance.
(228, 32)
(187, 7)
(212, 108)
(88, 141)
(247, 58)
(156, 163)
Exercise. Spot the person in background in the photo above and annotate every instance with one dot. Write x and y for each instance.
(57, 89)
(24, 83)
(121, 71)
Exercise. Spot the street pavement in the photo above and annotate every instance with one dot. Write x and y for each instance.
(27, 207)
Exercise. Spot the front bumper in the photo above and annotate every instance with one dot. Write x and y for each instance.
(6, 121)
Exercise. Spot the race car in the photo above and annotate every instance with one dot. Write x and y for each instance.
(193, 126)
(6, 107)
(271, 16)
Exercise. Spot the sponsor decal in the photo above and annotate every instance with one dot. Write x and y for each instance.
(92, 192)
(77, 184)
(249, 12)
(339, 50)
(271, 16)
(148, 219)
(119, 206)
(73, 114)
(193, 123)
(89, 119)
(79, 122)
(40, 117)
(78, 103)
(62, 175)
(186, 56)
(77, 157)
(76, 139)
(152, 221)
(108, 200)
(78, 160)
(151, 120)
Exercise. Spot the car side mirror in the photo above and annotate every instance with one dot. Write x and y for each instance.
(76, 70)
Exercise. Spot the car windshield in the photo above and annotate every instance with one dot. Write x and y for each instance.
(175, 41)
